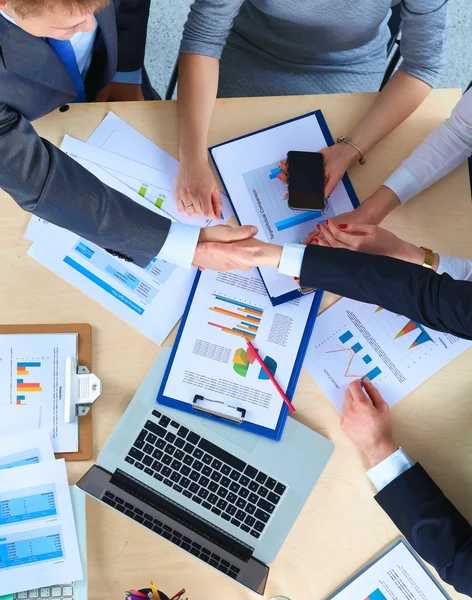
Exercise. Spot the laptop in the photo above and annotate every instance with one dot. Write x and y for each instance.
(227, 497)
(72, 590)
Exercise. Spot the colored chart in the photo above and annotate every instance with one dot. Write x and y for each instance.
(243, 359)
(351, 352)
(20, 459)
(412, 334)
(30, 547)
(376, 595)
(38, 505)
(236, 318)
(23, 383)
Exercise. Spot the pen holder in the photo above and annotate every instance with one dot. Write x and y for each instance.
(148, 591)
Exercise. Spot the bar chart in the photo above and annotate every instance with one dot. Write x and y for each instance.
(234, 317)
(23, 384)
(351, 352)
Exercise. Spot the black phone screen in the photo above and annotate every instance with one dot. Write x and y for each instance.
(305, 172)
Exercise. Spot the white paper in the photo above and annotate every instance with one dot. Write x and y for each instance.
(156, 174)
(352, 340)
(38, 542)
(32, 371)
(19, 419)
(249, 166)
(35, 228)
(213, 358)
(395, 576)
(155, 184)
(152, 300)
(22, 449)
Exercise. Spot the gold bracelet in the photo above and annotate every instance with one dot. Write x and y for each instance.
(346, 140)
(428, 258)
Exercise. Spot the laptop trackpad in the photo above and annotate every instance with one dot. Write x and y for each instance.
(244, 439)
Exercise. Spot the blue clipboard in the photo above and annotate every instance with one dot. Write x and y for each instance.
(347, 184)
(402, 541)
(274, 434)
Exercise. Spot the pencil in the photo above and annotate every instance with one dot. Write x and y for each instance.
(270, 376)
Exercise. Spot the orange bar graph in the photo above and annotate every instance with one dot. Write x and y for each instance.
(258, 313)
(247, 335)
(22, 371)
(29, 387)
(233, 314)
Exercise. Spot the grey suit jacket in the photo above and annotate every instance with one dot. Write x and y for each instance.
(42, 179)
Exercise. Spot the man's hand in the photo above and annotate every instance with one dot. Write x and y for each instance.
(220, 236)
(196, 191)
(121, 92)
(243, 255)
(366, 421)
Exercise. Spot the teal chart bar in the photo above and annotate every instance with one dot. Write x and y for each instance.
(38, 505)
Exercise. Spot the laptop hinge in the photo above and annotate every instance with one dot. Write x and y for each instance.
(181, 515)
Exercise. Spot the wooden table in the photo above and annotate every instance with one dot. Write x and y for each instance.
(341, 526)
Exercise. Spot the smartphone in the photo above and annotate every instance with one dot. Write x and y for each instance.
(305, 175)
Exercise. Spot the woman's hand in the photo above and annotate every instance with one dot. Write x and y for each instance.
(362, 215)
(196, 191)
(337, 160)
(370, 239)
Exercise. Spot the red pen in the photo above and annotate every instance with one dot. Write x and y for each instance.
(270, 376)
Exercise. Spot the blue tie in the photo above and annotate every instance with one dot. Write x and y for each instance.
(66, 53)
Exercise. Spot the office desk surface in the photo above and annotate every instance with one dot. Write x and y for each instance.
(341, 526)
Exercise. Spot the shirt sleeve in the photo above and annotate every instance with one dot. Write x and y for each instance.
(292, 259)
(208, 26)
(423, 39)
(180, 244)
(459, 269)
(441, 152)
(389, 469)
(129, 77)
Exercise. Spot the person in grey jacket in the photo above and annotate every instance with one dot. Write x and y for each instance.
(56, 52)
(275, 47)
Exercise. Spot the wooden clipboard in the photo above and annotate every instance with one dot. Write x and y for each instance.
(85, 358)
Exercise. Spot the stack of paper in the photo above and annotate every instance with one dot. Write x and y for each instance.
(153, 299)
(32, 382)
(38, 542)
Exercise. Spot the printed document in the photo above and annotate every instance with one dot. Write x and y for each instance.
(38, 541)
(395, 575)
(19, 450)
(152, 299)
(32, 372)
(250, 169)
(354, 340)
(19, 418)
(213, 359)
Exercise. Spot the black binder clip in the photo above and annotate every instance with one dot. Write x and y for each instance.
(224, 411)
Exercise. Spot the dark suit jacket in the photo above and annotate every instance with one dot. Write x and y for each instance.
(437, 301)
(432, 525)
(41, 178)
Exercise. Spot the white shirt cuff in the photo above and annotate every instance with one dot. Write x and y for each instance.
(179, 247)
(404, 184)
(458, 268)
(389, 469)
(291, 260)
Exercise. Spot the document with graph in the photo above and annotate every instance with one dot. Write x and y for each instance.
(33, 373)
(211, 357)
(396, 574)
(38, 541)
(353, 340)
(250, 170)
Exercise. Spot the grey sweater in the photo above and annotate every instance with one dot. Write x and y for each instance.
(276, 47)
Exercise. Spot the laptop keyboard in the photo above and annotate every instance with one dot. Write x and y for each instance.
(210, 476)
(60, 592)
(170, 534)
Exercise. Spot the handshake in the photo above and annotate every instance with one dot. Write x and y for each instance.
(224, 248)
